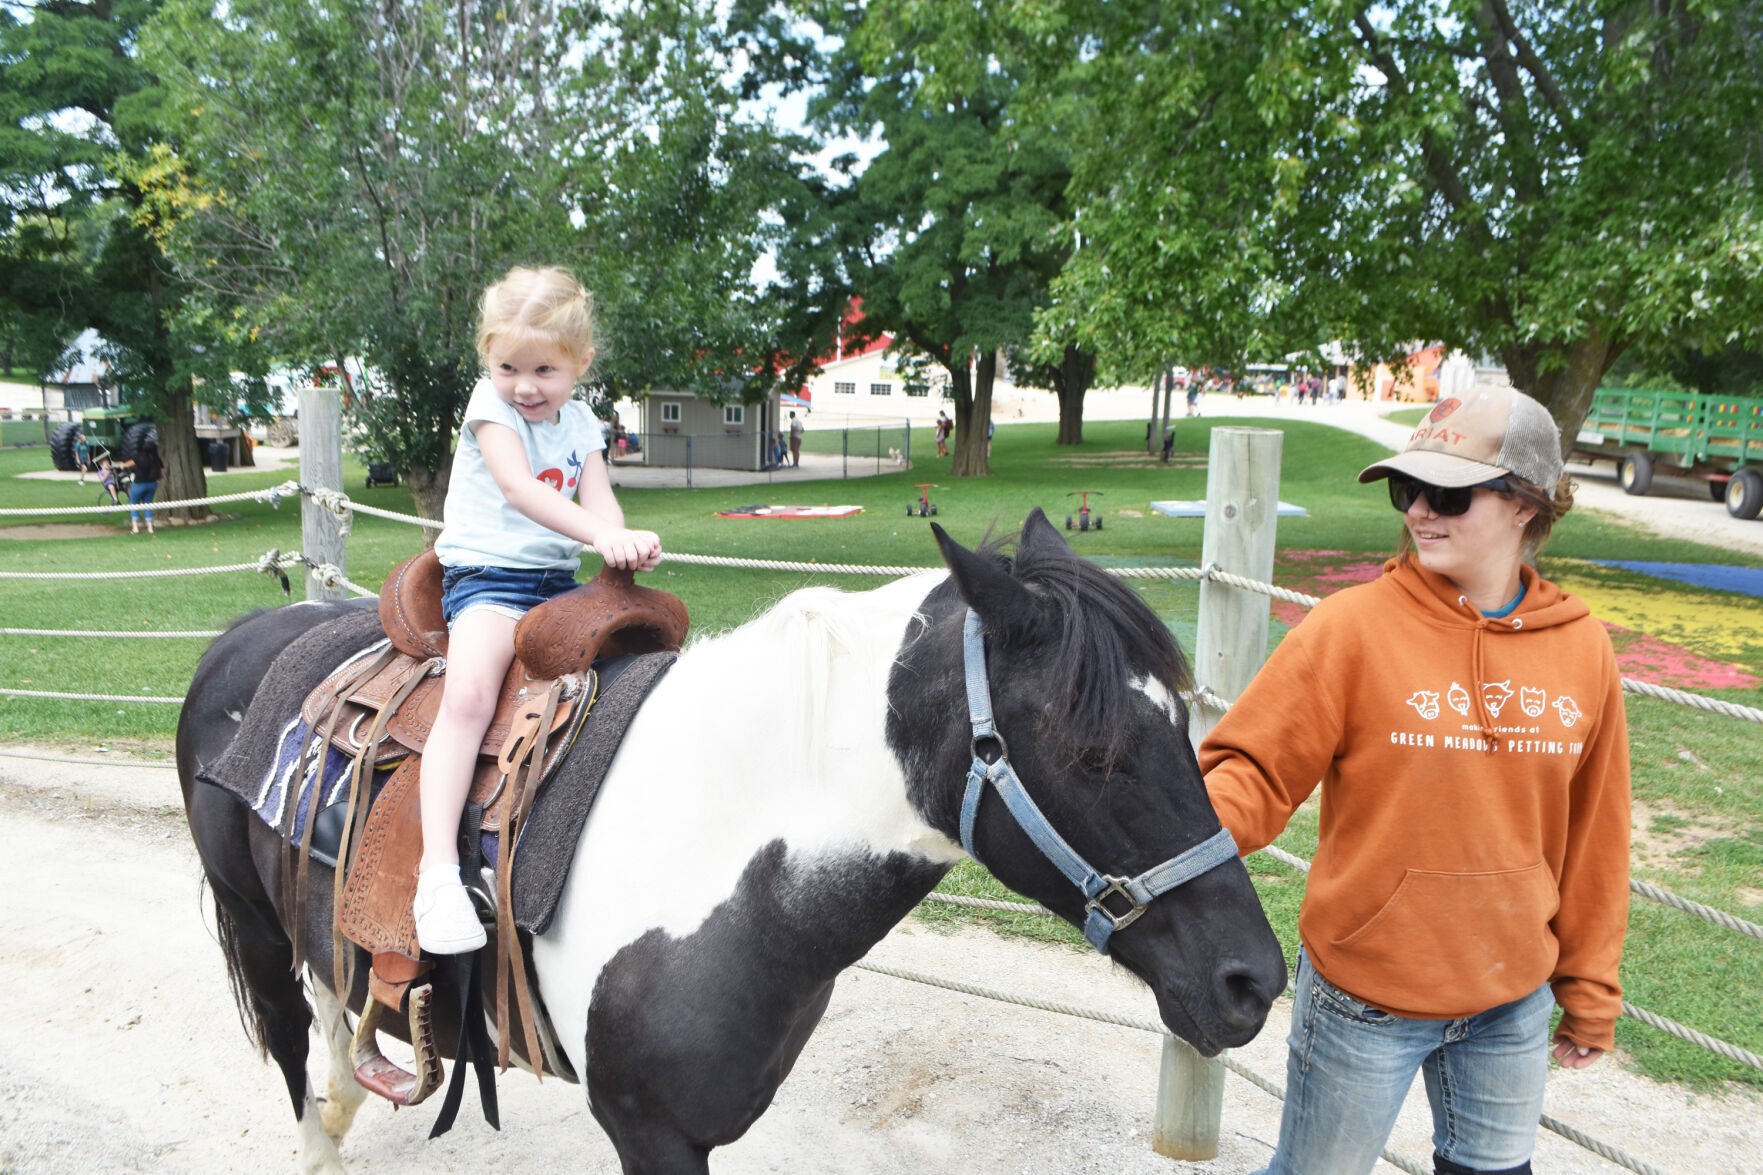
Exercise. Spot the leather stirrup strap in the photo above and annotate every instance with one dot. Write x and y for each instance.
(517, 801)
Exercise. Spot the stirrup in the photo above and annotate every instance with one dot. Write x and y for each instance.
(377, 1073)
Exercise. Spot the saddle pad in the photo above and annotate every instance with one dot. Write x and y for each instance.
(291, 780)
(249, 766)
(552, 829)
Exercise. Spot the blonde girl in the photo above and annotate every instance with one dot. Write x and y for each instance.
(524, 499)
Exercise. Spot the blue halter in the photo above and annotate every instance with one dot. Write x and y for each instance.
(1099, 920)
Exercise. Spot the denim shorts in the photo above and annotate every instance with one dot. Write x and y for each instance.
(508, 591)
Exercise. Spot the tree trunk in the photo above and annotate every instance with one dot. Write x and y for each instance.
(973, 416)
(1077, 370)
(182, 454)
(1566, 391)
(428, 487)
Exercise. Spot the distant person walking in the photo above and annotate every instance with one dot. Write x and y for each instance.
(945, 426)
(82, 453)
(795, 441)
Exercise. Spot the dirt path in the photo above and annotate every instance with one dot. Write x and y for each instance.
(124, 1053)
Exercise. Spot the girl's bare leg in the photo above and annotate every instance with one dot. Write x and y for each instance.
(479, 650)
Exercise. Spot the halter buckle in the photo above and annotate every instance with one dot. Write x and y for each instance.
(1116, 886)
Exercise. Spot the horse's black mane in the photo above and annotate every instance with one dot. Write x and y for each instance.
(1107, 637)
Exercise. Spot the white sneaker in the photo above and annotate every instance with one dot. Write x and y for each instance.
(446, 921)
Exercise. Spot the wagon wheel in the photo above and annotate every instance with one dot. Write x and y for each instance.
(1636, 472)
(1744, 494)
(283, 432)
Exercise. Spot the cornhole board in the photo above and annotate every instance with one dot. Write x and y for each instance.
(789, 512)
(1196, 508)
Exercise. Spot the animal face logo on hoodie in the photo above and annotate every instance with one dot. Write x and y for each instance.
(1495, 695)
(1459, 699)
(1425, 703)
(1532, 701)
(1568, 709)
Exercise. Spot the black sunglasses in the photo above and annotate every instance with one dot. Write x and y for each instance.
(1448, 501)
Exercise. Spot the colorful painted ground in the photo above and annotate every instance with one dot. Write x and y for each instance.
(788, 513)
(1669, 633)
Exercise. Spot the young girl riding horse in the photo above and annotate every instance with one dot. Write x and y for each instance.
(513, 539)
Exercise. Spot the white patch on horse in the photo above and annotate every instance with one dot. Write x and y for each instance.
(1161, 697)
(775, 731)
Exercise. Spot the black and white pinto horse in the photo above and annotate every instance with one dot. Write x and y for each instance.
(732, 868)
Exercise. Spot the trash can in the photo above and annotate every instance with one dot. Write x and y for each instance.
(217, 456)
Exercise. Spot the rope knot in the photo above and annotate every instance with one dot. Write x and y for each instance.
(337, 502)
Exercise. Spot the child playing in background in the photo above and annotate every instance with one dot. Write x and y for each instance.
(513, 539)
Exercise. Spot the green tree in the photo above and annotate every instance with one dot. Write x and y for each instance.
(78, 250)
(1551, 184)
(353, 175)
(956, 226)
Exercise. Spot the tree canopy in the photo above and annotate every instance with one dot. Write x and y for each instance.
(82, 117)
(1549, 184)
(954, 228)
(352, 176)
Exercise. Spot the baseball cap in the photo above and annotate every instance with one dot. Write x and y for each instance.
(1466, 440)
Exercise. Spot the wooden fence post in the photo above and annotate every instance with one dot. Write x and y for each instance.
(321, 467)
(1242, 504)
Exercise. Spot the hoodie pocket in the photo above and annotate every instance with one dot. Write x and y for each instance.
(1452, 944)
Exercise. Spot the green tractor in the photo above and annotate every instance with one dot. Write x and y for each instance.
(119, 431)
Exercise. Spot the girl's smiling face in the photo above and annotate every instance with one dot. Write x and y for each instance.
(536, 379)
(1479, 550)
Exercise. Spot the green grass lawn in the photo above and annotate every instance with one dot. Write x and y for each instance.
(1694, 774)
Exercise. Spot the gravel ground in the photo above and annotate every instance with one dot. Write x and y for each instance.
(125, 1054)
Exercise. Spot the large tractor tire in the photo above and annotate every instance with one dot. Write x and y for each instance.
(1636, 472)
(1744, 493)
(61, 447)
(132, 436)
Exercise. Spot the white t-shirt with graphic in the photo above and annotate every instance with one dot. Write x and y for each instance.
(483, 529)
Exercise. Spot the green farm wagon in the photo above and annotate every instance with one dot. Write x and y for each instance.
(1718, 439)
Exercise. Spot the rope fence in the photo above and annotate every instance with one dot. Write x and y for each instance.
(1144, 1024)
(276, 563)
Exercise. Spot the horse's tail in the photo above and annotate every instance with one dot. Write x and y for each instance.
(250, 1009)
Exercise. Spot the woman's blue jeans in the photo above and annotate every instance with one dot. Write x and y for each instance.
(1350, 1066)
(139, 492)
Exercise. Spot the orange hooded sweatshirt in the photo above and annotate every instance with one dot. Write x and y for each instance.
(1454, 871)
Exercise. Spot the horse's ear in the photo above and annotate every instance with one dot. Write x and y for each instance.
(987, 587)
(1040, 540)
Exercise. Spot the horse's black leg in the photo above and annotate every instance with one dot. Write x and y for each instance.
(258, 952)
(259, 956)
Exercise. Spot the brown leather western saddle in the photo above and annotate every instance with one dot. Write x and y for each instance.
(379, 710)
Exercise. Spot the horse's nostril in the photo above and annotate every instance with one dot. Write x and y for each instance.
(1243, 997)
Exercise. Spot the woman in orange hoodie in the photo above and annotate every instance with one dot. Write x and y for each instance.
(1464, 718)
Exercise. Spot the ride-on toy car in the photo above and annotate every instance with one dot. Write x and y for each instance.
(924, 507)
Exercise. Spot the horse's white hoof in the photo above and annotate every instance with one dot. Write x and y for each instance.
(318, 1152)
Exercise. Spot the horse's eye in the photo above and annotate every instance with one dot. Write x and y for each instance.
(1094, 759)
